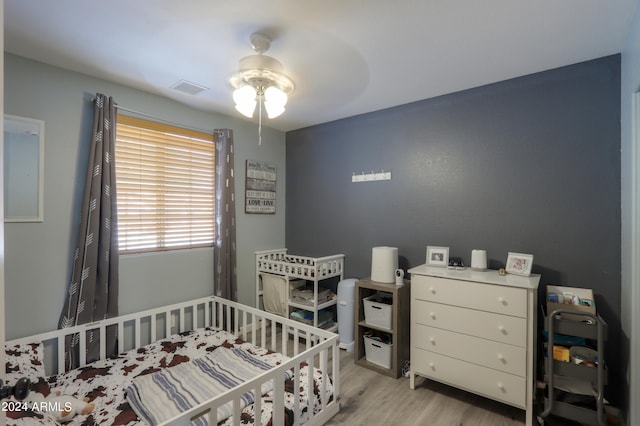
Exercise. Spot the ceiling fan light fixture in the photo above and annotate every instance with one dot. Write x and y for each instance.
(245, 99)
(246, 109)
(273, 111)
(275, 96)
(274, 101)
(260, 79)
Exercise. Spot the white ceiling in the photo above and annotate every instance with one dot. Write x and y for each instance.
(346, 57)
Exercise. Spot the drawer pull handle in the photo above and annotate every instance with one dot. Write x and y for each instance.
(433, 290)
(501, 387)
(432, 315)
(502, 300)
(502, 329)
(432, 366)
(432, 340)
(501, 357)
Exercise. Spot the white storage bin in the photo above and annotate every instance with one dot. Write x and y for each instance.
(378, 352)
(376, 312)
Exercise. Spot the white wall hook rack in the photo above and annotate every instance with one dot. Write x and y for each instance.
(370, 177)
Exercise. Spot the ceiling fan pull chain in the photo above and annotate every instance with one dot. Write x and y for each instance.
(260, 122)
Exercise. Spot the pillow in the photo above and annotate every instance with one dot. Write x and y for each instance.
(25, 360)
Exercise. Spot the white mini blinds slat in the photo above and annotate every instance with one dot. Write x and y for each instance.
(166, 186)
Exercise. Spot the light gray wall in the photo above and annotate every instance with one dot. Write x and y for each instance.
(630, 284)
(38, 255)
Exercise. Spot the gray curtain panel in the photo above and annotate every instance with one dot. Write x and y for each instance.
(93, 289)
(225, 248)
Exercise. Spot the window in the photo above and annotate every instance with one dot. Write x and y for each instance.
(165, 178)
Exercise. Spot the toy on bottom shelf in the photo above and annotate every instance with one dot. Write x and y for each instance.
(62, 407)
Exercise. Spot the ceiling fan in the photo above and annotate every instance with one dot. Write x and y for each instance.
(260, 80)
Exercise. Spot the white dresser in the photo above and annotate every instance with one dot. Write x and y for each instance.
(475, 331)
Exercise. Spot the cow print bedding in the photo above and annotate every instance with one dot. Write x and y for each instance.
(104, 382)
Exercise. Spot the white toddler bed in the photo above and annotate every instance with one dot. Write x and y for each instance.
(181, 379)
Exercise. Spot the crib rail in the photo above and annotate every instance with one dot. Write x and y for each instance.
(310, 345)
(132, 331)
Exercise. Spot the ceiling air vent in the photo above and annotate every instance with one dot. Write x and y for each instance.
(189, 87)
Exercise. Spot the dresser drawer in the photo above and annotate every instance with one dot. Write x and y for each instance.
(487, 297)
(499, 356)
(484, 381)
(486, 325)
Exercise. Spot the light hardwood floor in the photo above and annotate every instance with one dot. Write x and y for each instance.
(372, 399)
(369, 398)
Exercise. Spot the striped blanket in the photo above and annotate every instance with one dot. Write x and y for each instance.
(162, 395)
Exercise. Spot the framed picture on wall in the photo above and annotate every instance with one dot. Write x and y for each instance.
(519, 264)
(260, 188)
(437, 256)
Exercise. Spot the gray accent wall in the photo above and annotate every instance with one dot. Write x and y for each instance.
(528, 165)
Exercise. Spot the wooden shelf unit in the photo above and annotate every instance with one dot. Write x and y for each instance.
(399, 332)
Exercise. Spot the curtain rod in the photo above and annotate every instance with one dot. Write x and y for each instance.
(164, 120)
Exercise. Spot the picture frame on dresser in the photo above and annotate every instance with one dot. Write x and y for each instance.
(519, 264)
(438, 256)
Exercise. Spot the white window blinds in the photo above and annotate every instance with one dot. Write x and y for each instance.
(165, 186)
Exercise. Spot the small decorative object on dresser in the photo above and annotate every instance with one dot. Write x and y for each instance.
(479, 260)
(519, 264)
(437, 256)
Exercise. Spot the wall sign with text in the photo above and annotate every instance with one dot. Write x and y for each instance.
(260, 188)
